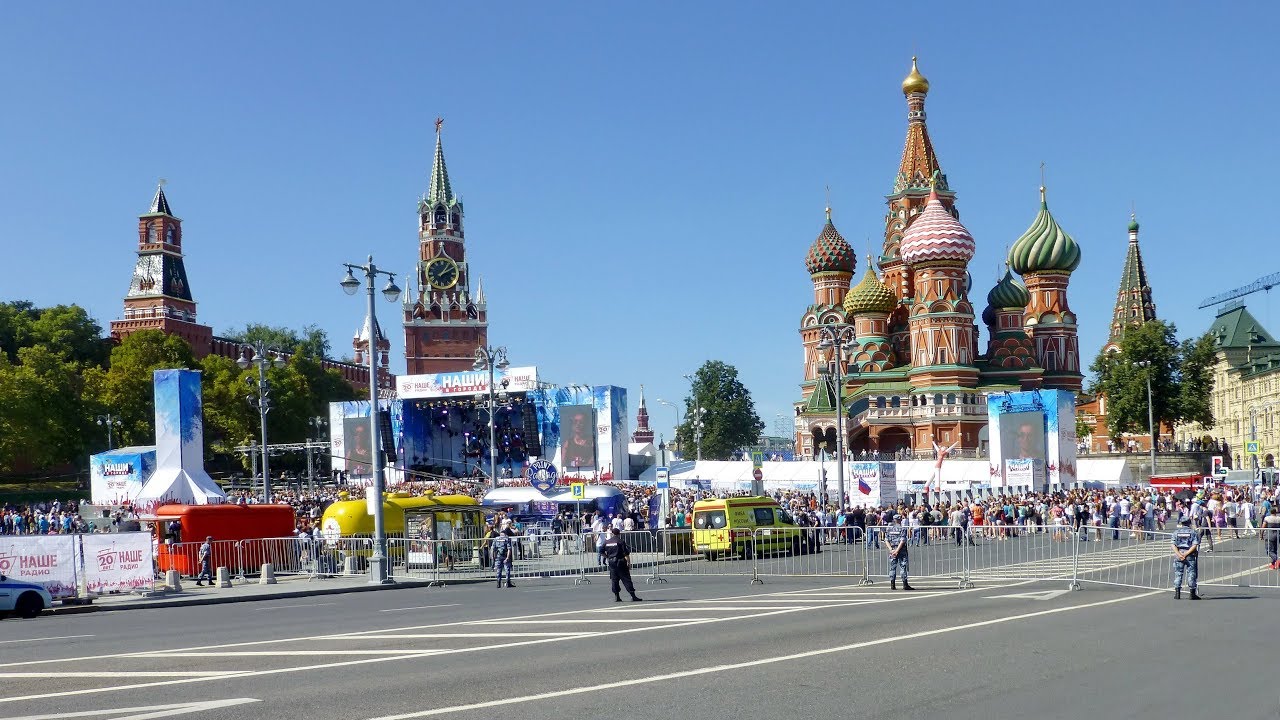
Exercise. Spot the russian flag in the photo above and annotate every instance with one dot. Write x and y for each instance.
(863, 487)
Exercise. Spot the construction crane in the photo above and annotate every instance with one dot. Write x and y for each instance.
(1264, 283)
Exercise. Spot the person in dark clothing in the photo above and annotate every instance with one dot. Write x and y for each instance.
(617, 556)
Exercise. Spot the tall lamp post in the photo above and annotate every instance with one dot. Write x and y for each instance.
(378, 567)
(264, 358)
(696, 421)
(492, 358)
(110, 422)
(837, 336)
(675, 433)
(1151, 413)
(317, 426)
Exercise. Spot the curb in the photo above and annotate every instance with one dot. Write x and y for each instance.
(143, 604)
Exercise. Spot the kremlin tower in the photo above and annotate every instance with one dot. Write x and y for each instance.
(1134, 305)
(642, 434)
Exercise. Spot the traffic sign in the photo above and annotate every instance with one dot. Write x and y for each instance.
(579, 490)
(664, 478)
(1251, 447)
(542, 476)
(758, 474)
(757, 459)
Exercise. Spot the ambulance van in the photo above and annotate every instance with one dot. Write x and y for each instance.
(744, 526)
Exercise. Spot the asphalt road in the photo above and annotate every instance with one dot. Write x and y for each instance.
(702, 647)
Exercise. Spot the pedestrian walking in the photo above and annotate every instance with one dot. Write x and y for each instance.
(1271, 535)
(617, 555)
(206, 562)
(502, 550)
(1186, 552)
(895, 537)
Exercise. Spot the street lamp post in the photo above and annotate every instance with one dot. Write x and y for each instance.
(1151, 413)
(675, 433)
(110, 422)
(492, 358)
(837, 336)
(378, 567)
(696, 422)
(264, 358)
(317, 425)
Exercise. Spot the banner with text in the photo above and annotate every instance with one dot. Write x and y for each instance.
(117, 562)
(45, 559)
(465, 384)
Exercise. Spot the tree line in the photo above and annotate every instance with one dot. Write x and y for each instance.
(60, 378)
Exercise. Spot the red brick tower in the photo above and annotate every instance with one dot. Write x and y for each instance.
(159, 296)
(642, 433)
(444, 320)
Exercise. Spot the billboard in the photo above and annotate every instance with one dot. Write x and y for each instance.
(465, 384)
(1036, 424)
(359, 446)
(578, 437)
(872, 484)
(117, 476)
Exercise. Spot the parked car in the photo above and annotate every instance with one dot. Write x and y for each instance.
(23, 598)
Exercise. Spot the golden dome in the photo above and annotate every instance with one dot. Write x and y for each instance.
(915, 82)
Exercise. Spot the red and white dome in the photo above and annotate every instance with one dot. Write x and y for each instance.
(936, 235)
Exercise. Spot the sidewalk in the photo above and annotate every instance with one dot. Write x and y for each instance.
(285, 587)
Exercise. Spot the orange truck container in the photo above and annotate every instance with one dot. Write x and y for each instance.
(228, 524)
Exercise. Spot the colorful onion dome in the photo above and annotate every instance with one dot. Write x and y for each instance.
(989, 316)
(915, 82)
(936, 235)
(1009, 293)
(1044, 247)
(870, 296)
(1133, 223)
(829, 252)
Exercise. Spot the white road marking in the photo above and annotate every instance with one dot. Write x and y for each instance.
(751, 663)
(145, 712)
(299, 605)
(1043, 595)
(115, 674)
(703, 608)
(286, 653)
(42, 639)
(415, 636)
(577, 621)
(419, 607)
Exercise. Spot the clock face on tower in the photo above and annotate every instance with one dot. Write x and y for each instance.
(442, 273)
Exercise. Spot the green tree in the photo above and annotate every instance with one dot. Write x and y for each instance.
(729, 419)
(43, 418)
(229, 419)
(69, 331)
(1180, 376)
(125, 388)
(1195, 389)
(312, 340)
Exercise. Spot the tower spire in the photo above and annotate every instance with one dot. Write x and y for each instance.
(1134, 304)
(159, 203)
(642, 434)
(440, 191)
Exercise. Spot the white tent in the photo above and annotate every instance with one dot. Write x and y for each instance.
(177, 486)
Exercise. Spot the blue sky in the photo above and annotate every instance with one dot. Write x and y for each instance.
(653, 172)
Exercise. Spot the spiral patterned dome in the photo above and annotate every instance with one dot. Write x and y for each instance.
(1009, 293)
(1044, 247)
(829, 252)
(870, 296)
(936, 235)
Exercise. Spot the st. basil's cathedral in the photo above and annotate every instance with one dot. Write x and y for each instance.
(915, 374)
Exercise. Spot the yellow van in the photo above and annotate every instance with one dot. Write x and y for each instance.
(744, 526)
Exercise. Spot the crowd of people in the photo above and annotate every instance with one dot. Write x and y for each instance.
(55, 517)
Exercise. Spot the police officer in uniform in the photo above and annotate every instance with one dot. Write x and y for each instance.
(1271, 535)
(1186, 555)
(617, 555)
(502, 548)
(895, 537)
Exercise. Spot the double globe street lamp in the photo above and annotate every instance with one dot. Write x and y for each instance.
(110, 422)
(264, 358)
(492, 358)
(837, 336)
(379, 570)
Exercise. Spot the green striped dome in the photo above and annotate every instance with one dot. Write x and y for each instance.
(870, 296)
(1009, 293)
(1044, 247)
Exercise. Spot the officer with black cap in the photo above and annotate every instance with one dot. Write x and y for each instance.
(895, 537)
(1186, 555)
(617, 556)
